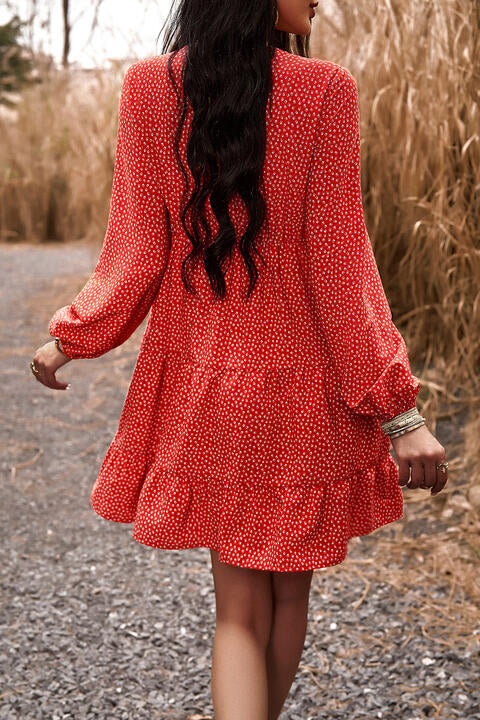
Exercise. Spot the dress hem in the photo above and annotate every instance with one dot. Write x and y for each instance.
(224, 557)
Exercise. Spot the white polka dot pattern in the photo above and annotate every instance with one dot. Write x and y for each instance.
(250, 427)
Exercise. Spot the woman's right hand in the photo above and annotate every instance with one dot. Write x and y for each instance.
(419, 451)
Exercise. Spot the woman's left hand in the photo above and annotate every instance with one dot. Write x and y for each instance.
(47, 360)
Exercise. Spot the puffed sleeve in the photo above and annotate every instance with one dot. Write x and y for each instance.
(132, 261)
(368, 352)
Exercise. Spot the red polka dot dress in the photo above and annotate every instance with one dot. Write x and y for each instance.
(250, 426)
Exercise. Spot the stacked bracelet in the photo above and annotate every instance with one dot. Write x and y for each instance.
(402, 423)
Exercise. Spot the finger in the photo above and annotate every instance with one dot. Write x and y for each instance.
(37, 375)
(430, 473)
(441, 480)
(417, 476)
(38, 372)
(41, 375)
(403, 472)
(42, 378)
(53, 382)
(47, 377)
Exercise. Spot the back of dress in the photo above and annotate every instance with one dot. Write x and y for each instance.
(248, 418)
(273, 328)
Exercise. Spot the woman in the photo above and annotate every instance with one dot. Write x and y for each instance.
(257, 425)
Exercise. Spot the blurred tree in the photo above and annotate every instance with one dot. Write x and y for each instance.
(67, 27)
(66, 32)
(16, 62)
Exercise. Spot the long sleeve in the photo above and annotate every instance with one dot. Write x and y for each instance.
(133, 259)
(367, 350)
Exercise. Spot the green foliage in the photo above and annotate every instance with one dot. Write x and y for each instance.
(15, 60)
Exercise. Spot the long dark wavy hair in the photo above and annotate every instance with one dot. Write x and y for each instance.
(227, 79)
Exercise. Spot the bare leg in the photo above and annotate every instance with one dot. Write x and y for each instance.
(243, 622)
(291, 592)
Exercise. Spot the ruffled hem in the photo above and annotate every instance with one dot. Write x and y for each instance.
(290, 526)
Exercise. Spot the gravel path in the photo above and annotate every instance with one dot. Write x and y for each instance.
(95, 625)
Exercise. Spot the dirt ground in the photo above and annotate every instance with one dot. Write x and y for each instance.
(95, 625)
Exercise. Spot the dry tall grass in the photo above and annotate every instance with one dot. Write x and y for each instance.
(417, 70)
(417, 67)
(57, 157)
(418, 73)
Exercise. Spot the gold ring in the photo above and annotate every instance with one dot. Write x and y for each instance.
(442, 467)
(34, 368)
